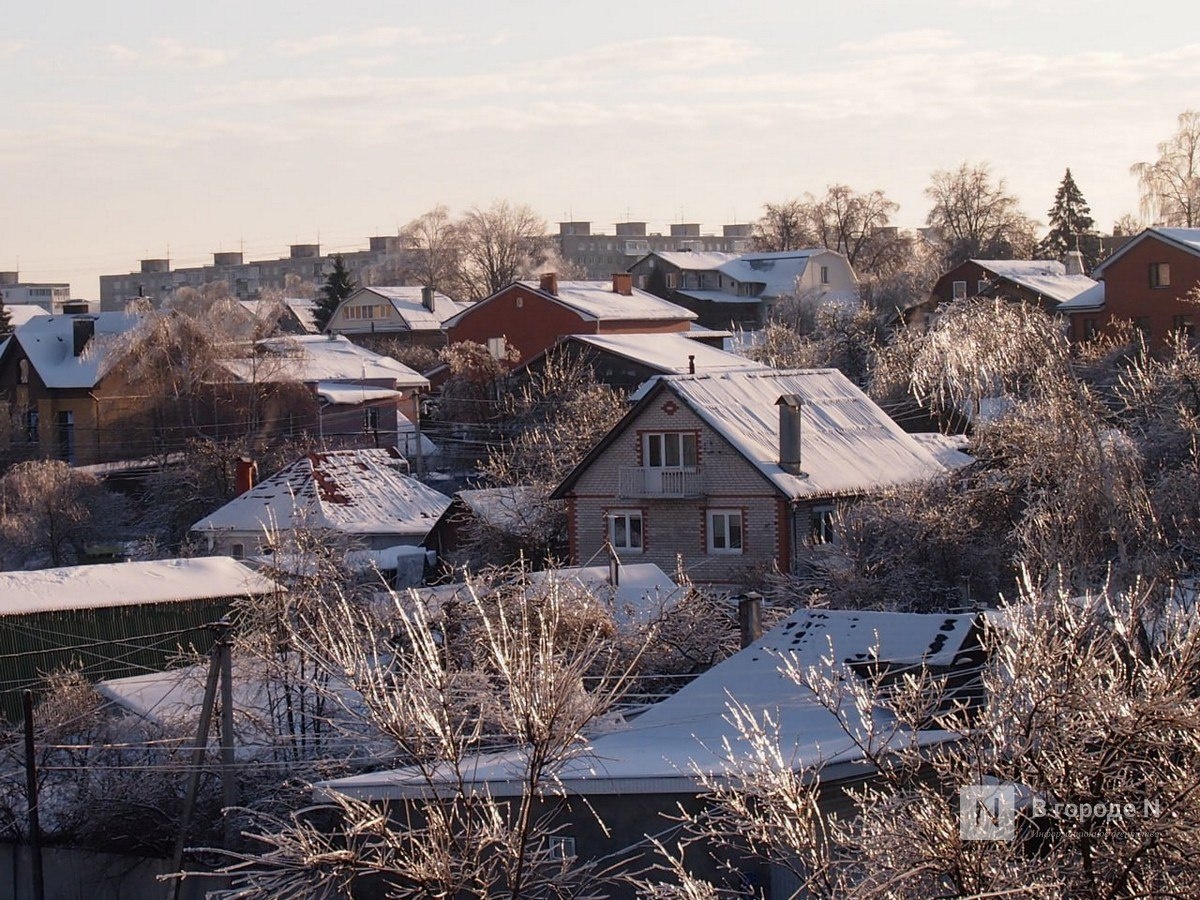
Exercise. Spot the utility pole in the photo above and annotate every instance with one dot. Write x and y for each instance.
(218, 665)
(31, 795)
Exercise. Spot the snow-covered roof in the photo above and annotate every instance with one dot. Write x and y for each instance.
(662, 750)
(642, 592)
(321, 358)
(948, 449)
(1189, 237)
(1091, 299)
(1047, 277)
(128, 584)
(668, 353)
(352, 394)
(848, 445)
(778, 271)
(48, 341)
(597, 300)
(695, 260)
(406, 301)
(717, 296)
(20, 313)
(305, 312)
(1186, 239)
(513, 506)
(350, 491)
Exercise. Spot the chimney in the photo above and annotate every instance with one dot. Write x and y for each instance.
(691, 364)
(549, 283)
(623, 284)
(82, 330)
(427, 297)
(790, 406)
(614, 568)
(247, 474)
(750, 617)
(1073, 262)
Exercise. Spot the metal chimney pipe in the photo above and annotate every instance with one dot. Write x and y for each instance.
(750, 617)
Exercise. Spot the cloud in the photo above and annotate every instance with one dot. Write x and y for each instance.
(374, 38)
(902, 42)
(168, 53)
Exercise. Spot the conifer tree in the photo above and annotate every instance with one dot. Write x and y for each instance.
(337, 287)
(1071, 225)
(6, 325)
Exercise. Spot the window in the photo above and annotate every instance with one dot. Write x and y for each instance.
(981, 286)
(371, 419)
(671, 280)
(238, 551)
(561, 847)
(1160, 275)
(31, 425)
(1185, 325)
(724, 531)
(824, 274)
(23, 372)
(671, 450)
(497, 347)
(625, 530)
(822, 525)
(960, 290)
(1090, 328)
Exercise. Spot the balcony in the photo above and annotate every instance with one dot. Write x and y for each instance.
(663, 484)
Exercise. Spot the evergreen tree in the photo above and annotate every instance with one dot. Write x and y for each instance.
(338, 286)
(6, 326)
(1071, 226)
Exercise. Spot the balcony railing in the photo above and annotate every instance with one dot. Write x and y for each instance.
(663, 483)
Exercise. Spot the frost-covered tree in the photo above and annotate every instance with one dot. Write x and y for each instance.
(339, 284)
(1170, 185)
(6, 325)
(782, 226)
(50, 512)
(433, 244)
(977, 216)
(1071, 225)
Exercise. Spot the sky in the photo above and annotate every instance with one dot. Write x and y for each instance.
(150, 129)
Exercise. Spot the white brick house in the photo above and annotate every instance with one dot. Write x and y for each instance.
(696, 472)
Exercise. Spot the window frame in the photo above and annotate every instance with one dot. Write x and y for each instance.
(629, 515)
(727, 515)
(1160, 275)
(681, 447)
(821, 530)
(958, 290)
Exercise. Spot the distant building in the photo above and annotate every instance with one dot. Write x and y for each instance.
(50, 297)
(156, 280)
(413, 314)
(600, 255)
(1044, 283)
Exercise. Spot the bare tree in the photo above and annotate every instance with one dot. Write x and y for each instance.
(51, 512)
(1170, 185)
(783, 226)
(977, 217)
(501, 668)
(497, 245)
(434, 244)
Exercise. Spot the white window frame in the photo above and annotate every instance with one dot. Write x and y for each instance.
(824, 274)
(498, 347)
(671, 280)
(622, 540)
(666, 439)
(959, 290)
(726, 517)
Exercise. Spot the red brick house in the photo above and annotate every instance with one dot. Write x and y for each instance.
(697, 471)
(531, 318)
(1039, 282)
(1146, 283)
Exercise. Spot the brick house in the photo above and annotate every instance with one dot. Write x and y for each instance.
(1044, 283)
(530, 318)
(696, 470)
(1146, 282)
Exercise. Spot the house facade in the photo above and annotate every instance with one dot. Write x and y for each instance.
(530, 317)
(412, 314)
(1044, 283)
(737, 474)
(1146, 283)
(740, 290)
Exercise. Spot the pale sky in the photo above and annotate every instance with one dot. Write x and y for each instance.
(146, 129)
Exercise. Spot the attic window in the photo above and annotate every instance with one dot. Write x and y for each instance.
(1160, 275)
(824, 274)
(960, 290)
(23, 372)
